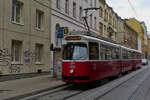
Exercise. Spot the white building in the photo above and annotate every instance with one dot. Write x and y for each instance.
(68, 14)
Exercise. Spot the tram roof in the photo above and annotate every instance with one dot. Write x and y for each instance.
(97, 39)
(94, 36)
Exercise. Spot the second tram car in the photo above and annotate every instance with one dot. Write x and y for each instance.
(88, 59)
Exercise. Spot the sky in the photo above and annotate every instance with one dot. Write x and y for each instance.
(140, 9)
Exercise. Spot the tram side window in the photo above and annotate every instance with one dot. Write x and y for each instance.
(109, 53)
(138, 56)
(93, 51)
(103, 52)
(134, 55)
(125, 54)
(118, 53)
(106, 52)
(115, 53)
(129, 55)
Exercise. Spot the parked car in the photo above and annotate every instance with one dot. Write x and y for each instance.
(144, 61)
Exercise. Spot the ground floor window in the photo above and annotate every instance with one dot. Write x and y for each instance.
(16, 51)
(38, 52)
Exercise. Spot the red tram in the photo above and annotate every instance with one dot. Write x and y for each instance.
(88, 59)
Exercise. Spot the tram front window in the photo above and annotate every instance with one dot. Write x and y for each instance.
(75, 51)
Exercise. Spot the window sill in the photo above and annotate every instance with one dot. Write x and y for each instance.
(17, 23)
(16, 63)
(38, 63)
(40, 29)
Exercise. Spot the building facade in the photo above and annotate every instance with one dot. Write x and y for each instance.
(131, 36)
(145, 40)
(148, 47)
(24, 36)
(136, 26)
(126, 35)
(120, 31)
(108, 19)
(67, 14)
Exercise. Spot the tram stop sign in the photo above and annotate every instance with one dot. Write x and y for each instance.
(60, 32)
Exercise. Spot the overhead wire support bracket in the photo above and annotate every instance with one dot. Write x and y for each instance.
(86, 16)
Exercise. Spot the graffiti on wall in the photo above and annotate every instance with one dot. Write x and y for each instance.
(5, 60)
(15, 69)
(29, 56)
(5, 57)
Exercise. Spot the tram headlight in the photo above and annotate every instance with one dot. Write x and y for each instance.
(71, 71)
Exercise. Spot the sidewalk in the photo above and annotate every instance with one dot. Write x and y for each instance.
(23, 75)
(20, 87)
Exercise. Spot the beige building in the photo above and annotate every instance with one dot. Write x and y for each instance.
(125, 34)
(120, 36)
(108, 19)
(145, 40)
(148, 47)
(24, 36)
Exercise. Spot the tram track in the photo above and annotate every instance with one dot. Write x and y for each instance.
(147, 94)
(22, 97)
(122, 83)
(131, 97)
(102, 90)
(62, 93)
(46, 92)
(69, 91)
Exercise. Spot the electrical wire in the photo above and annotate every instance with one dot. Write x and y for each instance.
(133, 8)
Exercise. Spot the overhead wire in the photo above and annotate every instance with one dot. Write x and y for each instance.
(133, 8)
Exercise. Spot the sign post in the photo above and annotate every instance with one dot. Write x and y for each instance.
(60, 36)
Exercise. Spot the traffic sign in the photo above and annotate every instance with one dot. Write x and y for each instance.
(60, 32)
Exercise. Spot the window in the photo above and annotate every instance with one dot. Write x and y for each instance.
(115, 53)
(129, 55)
(80, 13)
(67, 6)
(101, 28)
(105, 15)
(93, 51)
(94, 3)
(110, 18)
(105, 29)
(95, 20)
(38, 52)
(103, 52)
(17, 8)
(39, 19)
(75, 51)
(109, 52)
(16, 51)
(91, 21)
(101, 12)
(74, 9)
(91, 3)
(124, 54)
(58, 4)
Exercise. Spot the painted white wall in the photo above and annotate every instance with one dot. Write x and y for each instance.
(65, 20)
